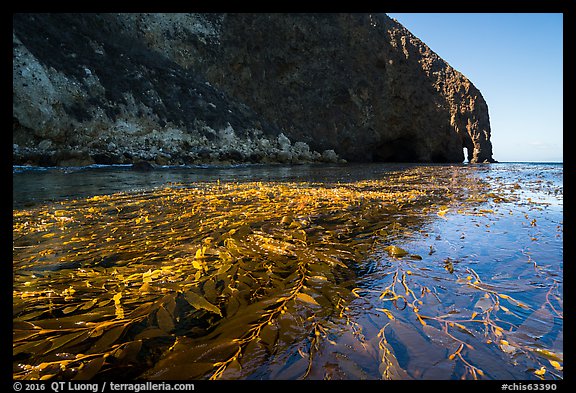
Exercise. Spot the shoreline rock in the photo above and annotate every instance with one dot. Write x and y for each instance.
(175, 89)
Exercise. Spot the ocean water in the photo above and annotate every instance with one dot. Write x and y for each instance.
(368, 271)
(33, 185)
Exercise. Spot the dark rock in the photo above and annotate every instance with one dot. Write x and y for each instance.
(162, 159)
(73, 158)
(361, 85)
(142, 166)
(107, 159)
(238, 87)
(329, 156)
(256, 158)
(232, 155)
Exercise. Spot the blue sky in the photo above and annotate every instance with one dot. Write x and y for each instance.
(515, 60)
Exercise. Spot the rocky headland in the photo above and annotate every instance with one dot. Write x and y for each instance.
(236, 88)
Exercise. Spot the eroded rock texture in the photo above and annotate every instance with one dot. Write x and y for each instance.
(190, 88)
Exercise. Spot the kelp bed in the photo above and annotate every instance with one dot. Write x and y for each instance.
(278, 280)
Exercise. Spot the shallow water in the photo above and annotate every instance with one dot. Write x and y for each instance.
(381, 271)
(34, 185)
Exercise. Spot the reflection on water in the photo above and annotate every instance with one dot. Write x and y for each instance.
(34, 185)
(311, 272)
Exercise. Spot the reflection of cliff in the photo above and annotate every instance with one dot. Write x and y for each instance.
(185, 88)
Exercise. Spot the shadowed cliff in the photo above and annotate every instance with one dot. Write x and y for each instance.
(219, 88)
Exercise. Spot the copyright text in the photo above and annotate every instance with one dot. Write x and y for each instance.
(100, 387)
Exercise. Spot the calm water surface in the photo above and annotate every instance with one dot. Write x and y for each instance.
(380, 271)
(36, 185)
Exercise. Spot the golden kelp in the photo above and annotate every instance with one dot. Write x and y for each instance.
(215, 280)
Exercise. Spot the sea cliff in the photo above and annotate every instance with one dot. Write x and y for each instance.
(237, 88)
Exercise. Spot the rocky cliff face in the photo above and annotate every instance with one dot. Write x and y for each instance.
(192, 88)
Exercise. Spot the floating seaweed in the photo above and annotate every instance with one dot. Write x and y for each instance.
(227, 280)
